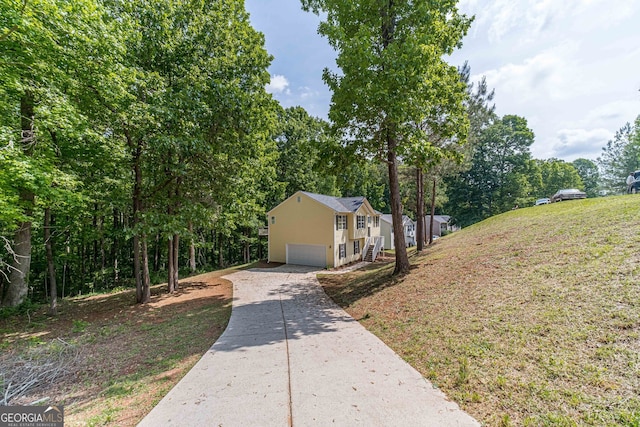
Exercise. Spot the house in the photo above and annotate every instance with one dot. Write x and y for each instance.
(323, 231)
(386, 230)
(441, 223)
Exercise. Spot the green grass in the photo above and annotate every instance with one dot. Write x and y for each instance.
(528, 318)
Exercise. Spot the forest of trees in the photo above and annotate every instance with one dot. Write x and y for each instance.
(138, 142)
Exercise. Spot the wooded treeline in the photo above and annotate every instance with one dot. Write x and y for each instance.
(138, 143)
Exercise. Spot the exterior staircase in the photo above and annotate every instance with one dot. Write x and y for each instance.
(368, 257)
(372, 248)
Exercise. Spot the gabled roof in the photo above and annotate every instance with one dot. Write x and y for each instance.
(338, 204)
(388, 218)
(442, 218)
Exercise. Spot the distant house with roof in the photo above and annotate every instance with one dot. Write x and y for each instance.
(323, 231)
(441, 224)
(386, 230)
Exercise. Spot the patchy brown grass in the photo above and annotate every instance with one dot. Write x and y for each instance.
(529, 318)
(129, 355)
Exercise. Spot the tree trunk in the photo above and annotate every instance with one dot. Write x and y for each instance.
(176, 256)
(146, 281)
(156, 254)
(136, 268)
(170, 266)
(220, 251)
(247, 246)
(16, 289)
(137, 208)
(402, 259)
(103, 255)
(419, 209)
(18, 286)
(53, 289)
(192, 251)
(213, 247)
(95, 241)
(114, 247)
(433, 210)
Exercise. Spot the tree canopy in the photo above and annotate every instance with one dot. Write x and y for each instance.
(392, 78)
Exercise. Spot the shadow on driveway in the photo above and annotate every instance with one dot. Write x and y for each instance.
(273, 308)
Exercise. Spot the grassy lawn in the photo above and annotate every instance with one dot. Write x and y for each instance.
(118, 358)
(529, 318)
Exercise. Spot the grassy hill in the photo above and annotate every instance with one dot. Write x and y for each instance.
(528, 318)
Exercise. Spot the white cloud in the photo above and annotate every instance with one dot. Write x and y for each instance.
(548, 76)
(307, 92)
(526, 21)
(621, 111)
(278, 84)
(575, 143)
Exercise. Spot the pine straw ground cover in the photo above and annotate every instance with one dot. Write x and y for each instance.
(115, 359)
(529, 318)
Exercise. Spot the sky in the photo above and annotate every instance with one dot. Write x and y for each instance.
(570, 67)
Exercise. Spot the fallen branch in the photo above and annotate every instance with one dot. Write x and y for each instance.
(24, 373)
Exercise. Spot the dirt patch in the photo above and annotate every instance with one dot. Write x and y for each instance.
(128, 355)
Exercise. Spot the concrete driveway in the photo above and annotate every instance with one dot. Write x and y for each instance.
(291, 357)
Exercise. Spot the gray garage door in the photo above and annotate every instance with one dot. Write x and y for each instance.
(313, 255)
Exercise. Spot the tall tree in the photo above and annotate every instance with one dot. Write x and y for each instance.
(43, 57)
(445, 125)
(481, 113)
(479, 103)
(557, 174)
(390, 54)
(301, 139)
(588, 171)
(620, 156)
(497, 178)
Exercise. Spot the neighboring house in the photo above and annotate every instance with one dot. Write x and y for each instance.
(441, 223)
(386, 230)
(323, 231)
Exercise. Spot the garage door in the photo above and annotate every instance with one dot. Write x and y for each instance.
(313, 255)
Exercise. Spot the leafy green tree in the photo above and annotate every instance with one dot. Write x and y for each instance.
(556, 175)
(481, 113)
(498, 177)
(389, 54)
(206, 142)
(301, 139)
(44, 48)
(444, 125)
(364, 177)
(588, 171)
(619, 157)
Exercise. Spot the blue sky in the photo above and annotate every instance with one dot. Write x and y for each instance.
(570, 67)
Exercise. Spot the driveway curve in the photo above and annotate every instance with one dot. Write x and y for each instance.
(292, 357)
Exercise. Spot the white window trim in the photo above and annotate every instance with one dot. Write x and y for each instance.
(341, 222)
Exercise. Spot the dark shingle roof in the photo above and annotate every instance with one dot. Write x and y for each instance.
(338, 204)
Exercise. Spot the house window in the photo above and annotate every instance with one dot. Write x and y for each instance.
(273, 220)
(376, 221)
(342, 250)
(341, 222)
(361, 222)
(368, 219)
(356, 247)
